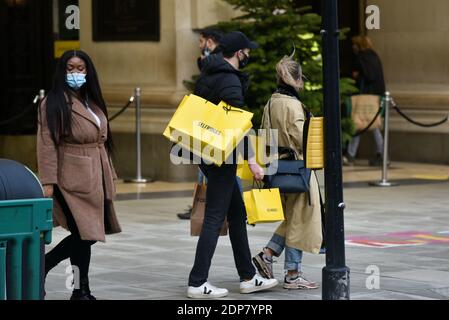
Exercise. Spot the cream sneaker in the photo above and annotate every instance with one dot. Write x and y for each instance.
(257, 283)
(206, 291)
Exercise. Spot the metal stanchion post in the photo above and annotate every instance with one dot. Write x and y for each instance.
(384, 182)
(138, 178)
(41, 243)
(41, 94)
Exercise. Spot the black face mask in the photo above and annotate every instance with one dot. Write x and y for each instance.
(243, 63)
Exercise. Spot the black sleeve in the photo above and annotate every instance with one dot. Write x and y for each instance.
(230, 91)
(200, 63)
(356, 65)
(368, 66)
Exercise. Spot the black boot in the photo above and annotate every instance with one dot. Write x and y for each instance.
(378, 161)
(83, 293)
(186, 215)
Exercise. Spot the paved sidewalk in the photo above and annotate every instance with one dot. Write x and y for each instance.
(401, 231)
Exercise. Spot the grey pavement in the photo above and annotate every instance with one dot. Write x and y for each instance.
(152, 258)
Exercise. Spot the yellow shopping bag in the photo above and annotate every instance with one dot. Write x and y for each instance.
(259, 145)
(209, 131)
(243, 171)
(263, 205)
(314, 144)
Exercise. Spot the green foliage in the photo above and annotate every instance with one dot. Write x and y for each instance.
(277, 26)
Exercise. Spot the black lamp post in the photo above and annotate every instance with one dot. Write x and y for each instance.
(335, 274)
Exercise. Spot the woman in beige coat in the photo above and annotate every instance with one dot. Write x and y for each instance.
(301, 230)
(74, 148)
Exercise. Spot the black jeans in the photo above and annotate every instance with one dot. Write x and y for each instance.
(223, 198)
(73, 247)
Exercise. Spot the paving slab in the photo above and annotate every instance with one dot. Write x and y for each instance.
(151, 259)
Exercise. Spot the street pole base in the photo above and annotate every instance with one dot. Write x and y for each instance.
(335, 283)
(138, 180)
(383, 184)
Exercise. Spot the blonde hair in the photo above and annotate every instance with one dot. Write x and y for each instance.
(289, 71)
(362, 42)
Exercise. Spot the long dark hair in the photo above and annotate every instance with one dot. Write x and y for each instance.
(59, 98)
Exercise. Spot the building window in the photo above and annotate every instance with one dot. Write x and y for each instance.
(126, 20)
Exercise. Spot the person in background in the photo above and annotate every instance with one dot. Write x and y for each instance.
(209, 43)
(369, 76)
(222, 80)
(301, 230)
(74, 151)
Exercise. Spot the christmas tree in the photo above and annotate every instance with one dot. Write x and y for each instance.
(279, 26)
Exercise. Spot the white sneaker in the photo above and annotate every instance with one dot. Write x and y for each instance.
(257, 283)
(206, 291)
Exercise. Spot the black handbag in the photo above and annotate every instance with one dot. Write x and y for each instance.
(291, 175)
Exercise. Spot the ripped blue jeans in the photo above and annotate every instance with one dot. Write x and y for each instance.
(293, 257)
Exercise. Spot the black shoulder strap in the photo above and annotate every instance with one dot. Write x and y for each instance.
(269, 113)
(306, 111)
(305, 133)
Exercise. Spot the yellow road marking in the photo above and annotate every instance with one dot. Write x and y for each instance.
(433, 238)
(442, 177)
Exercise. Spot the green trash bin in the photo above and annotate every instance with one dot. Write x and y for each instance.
(25, 228)
(3, 270)
(25, 225)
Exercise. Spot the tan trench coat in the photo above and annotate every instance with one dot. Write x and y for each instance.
(302, 225)
(82, 170)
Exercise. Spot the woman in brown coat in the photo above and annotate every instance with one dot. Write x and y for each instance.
(74, 149)
(301, 230)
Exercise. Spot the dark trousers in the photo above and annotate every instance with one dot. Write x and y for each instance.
(223, 198)
(73, 247)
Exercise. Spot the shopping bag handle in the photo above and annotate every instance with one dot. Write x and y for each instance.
(228, 109)
(259, 185)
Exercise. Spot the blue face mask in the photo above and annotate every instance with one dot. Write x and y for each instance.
(76, 80)
(206, 52)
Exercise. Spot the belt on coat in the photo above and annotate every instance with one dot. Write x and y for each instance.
(84, 146)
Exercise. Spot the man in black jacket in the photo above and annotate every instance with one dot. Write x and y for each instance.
(222, 80)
